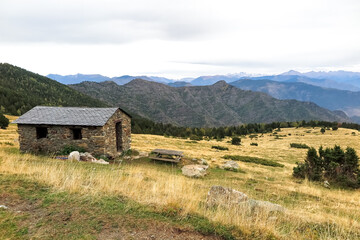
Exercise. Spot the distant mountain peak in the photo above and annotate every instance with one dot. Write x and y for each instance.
(292, 72)
(220, 83)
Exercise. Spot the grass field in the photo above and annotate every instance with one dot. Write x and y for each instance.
(160, 192)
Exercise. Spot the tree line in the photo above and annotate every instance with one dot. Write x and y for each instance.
(146, 126)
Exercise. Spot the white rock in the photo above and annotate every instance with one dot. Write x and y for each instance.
(222, 196)
(230, 165)
(100, 161)
(3, 206)
(75, 155)
(195, 171)
(265, 206)
(203, 162)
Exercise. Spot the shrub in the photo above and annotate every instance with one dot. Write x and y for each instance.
(298, 145)
(67, 149)
(220, 148)
(236, 141)
(335, 128)
(322, 130)
(253, 144)
(4, 122)
(253, 136)
(256, 160)
(332, 164)
(195, 138)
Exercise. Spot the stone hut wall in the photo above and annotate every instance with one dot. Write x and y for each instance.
(93, 139)
(96, 140)
(110, 133)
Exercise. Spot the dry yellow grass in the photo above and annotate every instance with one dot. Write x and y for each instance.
(312, 211)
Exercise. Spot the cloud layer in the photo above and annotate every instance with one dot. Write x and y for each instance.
(179, 37)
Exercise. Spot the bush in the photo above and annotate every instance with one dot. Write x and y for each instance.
(220, 148)
(335, 128)
(195, 138)
(298, 145)
(322, 130)
(256, 160)
(4, 122)
(253, 144)
(332, 164)
(236, 141)
(67, 149)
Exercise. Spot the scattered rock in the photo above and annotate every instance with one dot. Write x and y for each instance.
(3, 207)
(222, 196)
(100, 161)
(230, 165)
(326, 184)
(203, 162)
(195, 171)
(87, 157)
(75, 155)
(227, 197)
(257, 205)
(194, 160)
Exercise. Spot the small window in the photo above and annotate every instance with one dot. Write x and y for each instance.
(77, 133)
(41, 132)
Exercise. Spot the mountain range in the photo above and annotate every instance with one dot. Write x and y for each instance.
(342, 80)
(333, 99)
(219, 104)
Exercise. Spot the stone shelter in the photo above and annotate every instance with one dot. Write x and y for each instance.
(100, 131)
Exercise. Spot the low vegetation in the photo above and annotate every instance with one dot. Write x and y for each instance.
(4, 122)
(220, 148)
(254, 144)
(299, 145)
(236, 141)
(332, 164)
(256, 160)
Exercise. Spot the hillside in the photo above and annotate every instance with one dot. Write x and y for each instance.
(47, 198)
(216, 105)
(21, 90)
(333, 99)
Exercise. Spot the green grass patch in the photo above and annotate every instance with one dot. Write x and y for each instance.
(299, 145)
(220, 148)
(255, 160)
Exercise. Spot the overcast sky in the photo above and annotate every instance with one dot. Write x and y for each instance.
(179, 38)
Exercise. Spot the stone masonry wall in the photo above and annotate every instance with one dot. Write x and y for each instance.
(96, 140)
(110, 133)
(93, 139)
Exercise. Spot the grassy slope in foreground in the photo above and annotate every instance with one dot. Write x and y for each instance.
(313, 211)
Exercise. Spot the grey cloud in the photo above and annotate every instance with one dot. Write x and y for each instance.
(105, 24)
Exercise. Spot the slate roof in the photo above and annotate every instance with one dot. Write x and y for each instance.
(74, 116)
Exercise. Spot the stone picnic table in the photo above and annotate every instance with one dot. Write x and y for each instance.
(166, 155)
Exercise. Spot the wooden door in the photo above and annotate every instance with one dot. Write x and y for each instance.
(118, 136)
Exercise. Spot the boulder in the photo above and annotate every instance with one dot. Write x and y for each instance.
(222, 196)
(265, 206)
(227, 197)
(100, 161)
(75, 155)
(230, 165)
(86, 157)
(195, 171)
(203, 162)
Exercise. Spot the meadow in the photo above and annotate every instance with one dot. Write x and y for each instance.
(312, 211)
